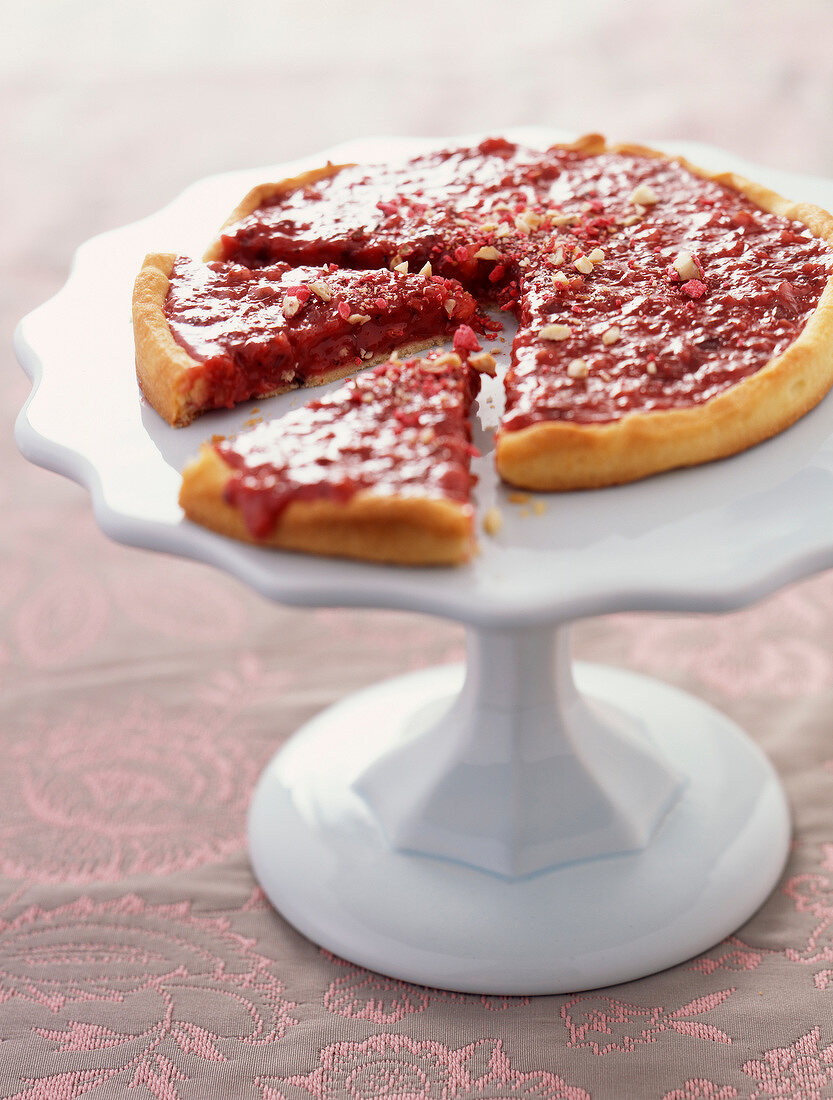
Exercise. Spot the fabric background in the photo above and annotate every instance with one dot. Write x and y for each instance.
(141, 695)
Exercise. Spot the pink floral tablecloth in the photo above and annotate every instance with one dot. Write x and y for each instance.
(141, 695)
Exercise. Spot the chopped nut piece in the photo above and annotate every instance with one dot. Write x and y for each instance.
(651, 368)
(427, 269)
(449, 360)
(611, 335)
(555, 332)
(558, 256)
(487, 252)
(564, 219)
(323, 291)
(519, 498)
(528, 220)
(483, 363)
(596, 256)
(644, 195)
(560, 278)
(583, 264)
(402, 268)
(503, 230)
(427, 435)
(577, 368)
(492, 521)
(488, 227)
(358, 319)
(449, 306)
(291, 305)
(686, 266)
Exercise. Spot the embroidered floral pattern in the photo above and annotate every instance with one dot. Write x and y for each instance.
(812, 893)
(731, 954)
(61, 619)
(399, 1067)
(606, 1024)
(740, 659)
(177, 603)
(99, 794)
(198, 988)
(416, 641)
(364, 995)
(797, 1072)
(700, 1089)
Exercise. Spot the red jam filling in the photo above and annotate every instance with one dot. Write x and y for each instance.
(255, 332)
(688, 296)
(429, 211)
(657, 289)
(400, 429)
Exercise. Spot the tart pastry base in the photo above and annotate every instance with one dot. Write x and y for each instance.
(397, 530)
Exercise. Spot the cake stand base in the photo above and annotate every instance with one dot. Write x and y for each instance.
(328, 863)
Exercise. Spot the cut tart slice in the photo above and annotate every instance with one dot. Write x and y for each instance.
(211, 335)
(377, 470)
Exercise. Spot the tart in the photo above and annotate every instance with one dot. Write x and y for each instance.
(210, 335)
(666, 316)
(378, 470)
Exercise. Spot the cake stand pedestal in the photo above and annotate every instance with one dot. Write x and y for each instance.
(518, 828)
(518, 825)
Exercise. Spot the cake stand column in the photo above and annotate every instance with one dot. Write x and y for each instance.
(520, 772)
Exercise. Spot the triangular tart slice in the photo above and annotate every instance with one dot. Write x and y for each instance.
(378, 470)
(210, 335)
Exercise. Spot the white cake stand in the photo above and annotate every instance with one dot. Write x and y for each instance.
(516, 826)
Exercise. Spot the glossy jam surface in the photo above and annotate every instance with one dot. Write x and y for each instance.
(687, 296)
(655, 288)
(430, 210)
(400, 429)
(277, 327)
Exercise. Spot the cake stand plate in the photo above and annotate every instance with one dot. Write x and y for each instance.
(503, 828)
